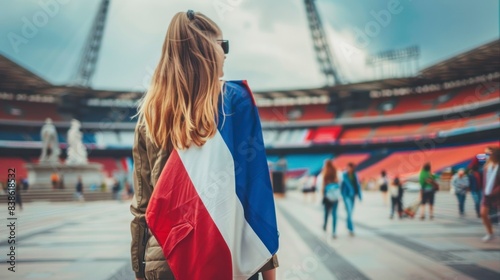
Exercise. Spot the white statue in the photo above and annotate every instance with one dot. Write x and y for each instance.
(49, 141)
(77, 153)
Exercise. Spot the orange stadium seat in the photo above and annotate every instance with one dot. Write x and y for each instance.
(307, 113)
(438, 126)
(324, 134)
(356, 133)
(316, 112)
(33, 111)
(274, 114)
(470, 95)
(408, 104)
(409, 163)
(483, 119)
(398, 130)
(341, 161)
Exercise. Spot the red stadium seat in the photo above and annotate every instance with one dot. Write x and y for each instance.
(14, 163)
(398, 130)
(409, 163)
(355, 134)
(471, 95)
(295, 113)
(325, 134)
(341, 161)
(33, 111)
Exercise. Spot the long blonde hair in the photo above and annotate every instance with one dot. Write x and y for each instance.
(180, 106)
(329, 173)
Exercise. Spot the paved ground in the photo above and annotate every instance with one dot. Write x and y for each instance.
(91, 241)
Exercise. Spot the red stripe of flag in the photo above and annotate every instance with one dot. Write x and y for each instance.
(191, 242)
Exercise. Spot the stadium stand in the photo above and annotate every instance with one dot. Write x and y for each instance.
(397, 130)
(13, 162)
(383, 127)
(470, 95)
(15, 110)
(295, 113)
(417, 130)
(324, 134)
(311, 162)
(411, 103)
(341, 161)
(287, 137)
(408, 163)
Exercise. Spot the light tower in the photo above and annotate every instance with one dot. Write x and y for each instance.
(321, 46)
(90, 54)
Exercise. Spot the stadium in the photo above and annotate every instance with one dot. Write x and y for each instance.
(446, 114)
(405, 116)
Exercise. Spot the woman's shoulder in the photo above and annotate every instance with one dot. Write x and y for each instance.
(238, 91)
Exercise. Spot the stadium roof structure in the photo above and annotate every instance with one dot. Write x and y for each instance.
(482, 60)
(479, 61)
(15, 78)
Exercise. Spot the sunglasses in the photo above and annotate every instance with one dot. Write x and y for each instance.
(225, 45)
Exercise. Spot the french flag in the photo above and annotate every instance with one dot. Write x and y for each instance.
(212, 210)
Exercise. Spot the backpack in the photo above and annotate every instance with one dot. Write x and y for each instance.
(332, 192)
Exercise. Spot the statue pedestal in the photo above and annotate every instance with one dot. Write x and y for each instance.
(39, 174)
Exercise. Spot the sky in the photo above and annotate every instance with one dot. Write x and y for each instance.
(270, 42)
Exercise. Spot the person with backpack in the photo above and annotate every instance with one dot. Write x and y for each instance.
(491, 187)
(460, 183)
(350, 188)
(396, 197)
(384, 186)
(428, 188)
(331, 195)
(476, 184)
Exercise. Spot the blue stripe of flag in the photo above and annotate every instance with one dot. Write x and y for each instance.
(242, 133)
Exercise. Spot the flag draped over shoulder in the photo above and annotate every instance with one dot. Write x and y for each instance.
(212, 210)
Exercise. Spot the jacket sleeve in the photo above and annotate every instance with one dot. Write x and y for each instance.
(454, 181)
(139, 203)
(271, 264)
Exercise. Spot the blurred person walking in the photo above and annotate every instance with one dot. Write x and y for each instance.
(491, 198)
(350, 189)
(116, 189)
(25, 184)
(189, 123)
(396, 190)
(19, 199)
(475, 175)
(428, 188)
(79, 189)
(384, 186)
(460, 184)
(54, 179)
(309, 187)
(331, 195)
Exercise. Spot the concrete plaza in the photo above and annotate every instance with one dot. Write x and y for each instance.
(71, 240)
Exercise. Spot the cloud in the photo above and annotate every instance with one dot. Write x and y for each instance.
(350, 58)
(270, 58)
(270, 41)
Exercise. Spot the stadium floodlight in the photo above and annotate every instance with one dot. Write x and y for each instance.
(395, 63)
